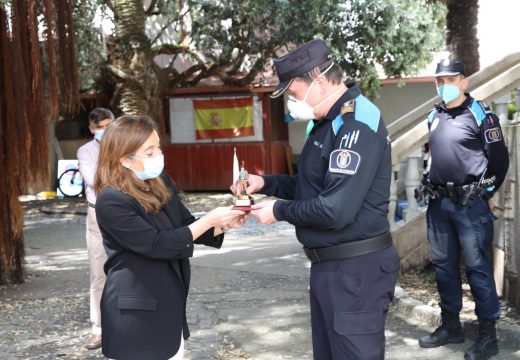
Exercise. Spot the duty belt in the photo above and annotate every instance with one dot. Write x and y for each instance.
(450, 191)
(350, 249)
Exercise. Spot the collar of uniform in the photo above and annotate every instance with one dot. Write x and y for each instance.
(352, 92)
(466, 103)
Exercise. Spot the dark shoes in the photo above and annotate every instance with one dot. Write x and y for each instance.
(94, 342)
(486, 344)
(441, 336)
(450, 331)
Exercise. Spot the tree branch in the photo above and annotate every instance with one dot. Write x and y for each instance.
(171, 49)
(167, 25)
(122, 75)
(229, 80)
(160, 32)
(151, 7)
(109, 4)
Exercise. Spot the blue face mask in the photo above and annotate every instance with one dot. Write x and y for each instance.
(98, 134)
(448, 92)
(153, 167)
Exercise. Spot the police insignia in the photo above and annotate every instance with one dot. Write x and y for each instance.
(348, 107)
(344, 162)
(493, 135)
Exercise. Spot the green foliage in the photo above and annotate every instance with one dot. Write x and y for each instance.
(222, 30)
(89, 43)
(369, 38)
(396, 36)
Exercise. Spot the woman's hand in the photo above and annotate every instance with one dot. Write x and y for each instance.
(226, 217)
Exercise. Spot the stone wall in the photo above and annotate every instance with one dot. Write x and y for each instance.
(412, 243)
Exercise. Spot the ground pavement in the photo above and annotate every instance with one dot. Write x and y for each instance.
(248, 300)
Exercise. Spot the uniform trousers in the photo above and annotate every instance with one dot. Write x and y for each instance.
(454, 230)
(97, 258)
(349, 301)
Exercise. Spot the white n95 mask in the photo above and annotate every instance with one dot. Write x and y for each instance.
(300, 109)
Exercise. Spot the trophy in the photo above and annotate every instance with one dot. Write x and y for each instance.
(242, 201)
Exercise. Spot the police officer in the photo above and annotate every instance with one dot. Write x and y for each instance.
(338, 203)
(467, 149)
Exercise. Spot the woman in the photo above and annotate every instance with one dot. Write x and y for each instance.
(148, 235)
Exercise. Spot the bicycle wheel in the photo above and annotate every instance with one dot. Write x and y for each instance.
(70, 183)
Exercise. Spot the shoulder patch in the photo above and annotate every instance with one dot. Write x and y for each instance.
(344, 161)
(367, 113)
(479, 111)
(493, 135)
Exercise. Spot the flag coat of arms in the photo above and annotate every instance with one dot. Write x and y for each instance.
(223, 118)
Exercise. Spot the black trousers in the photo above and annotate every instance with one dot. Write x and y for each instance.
(349, 303)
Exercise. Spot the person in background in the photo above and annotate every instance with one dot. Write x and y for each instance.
(87, 155)
(148, 235)
(467, 150)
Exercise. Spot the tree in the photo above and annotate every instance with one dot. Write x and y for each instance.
(461, 32)
(27, 101)
(236, 40)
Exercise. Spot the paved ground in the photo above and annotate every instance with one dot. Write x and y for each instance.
(248, 300)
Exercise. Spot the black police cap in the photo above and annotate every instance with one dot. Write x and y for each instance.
(450, 67)
(298, 62)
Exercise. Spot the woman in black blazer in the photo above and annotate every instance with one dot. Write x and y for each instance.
(148, 235)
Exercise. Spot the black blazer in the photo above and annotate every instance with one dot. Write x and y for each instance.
(143, 307)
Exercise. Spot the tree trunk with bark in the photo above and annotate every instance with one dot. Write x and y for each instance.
(461, 35)
(131, 62)
(25, 107)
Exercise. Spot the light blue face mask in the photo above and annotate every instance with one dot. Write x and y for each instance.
(448, 92)
(98, 134)
(153, 167)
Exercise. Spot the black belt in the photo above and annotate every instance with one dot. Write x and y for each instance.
(350, 249)
(449, 191)
(92, 205)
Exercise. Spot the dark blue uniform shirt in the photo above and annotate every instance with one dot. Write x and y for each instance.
(342, 188)
(464, 141)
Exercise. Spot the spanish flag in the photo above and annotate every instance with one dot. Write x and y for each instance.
(225, 118)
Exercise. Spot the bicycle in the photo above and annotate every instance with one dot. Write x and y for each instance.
(70, 182)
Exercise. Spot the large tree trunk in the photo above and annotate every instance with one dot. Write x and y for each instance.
(25, 106)
(461, 37)
(131, 61)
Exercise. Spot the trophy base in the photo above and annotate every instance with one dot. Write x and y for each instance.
(243, 204)
(242, 208)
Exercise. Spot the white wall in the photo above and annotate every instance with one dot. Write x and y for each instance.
(393, 101)
(498, 29)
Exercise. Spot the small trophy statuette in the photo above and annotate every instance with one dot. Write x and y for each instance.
(242, 201)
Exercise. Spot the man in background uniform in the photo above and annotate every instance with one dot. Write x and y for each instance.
(338, 203)
(469, 161)
(88, 154)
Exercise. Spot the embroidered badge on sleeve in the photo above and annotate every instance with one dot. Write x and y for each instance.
(493, 135)
(344, 161)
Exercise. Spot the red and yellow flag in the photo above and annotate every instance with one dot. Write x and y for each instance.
(224, 118)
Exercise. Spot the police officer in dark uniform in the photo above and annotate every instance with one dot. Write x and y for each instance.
(338, 203)
(469, 161)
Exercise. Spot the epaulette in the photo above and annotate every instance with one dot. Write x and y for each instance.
(348, 107)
